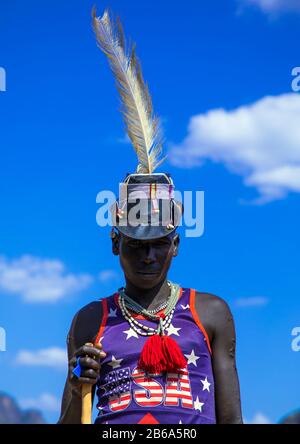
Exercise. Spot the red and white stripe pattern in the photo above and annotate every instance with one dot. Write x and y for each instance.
(117, 403)
(178, 387)
(152, 393)
(119, 387)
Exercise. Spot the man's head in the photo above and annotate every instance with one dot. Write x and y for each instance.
(145, 262)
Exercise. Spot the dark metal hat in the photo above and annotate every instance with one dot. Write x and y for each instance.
(146, 208)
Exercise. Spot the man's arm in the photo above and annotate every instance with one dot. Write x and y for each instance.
(227, 389)
(84, 328)
(217, 319)
(71, 400)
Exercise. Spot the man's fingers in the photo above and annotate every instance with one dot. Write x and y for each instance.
(89, 348)
(89, 360)
(86, 362)
(89, 373)
(90, 351)
(92, 355)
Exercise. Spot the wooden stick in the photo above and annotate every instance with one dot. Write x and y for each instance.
(86, 397)
(86, 411)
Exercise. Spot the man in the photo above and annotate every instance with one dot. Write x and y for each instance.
(145, 265)
(160, 353)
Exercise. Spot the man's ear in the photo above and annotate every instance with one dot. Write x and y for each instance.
(176, 242)
(115, 240)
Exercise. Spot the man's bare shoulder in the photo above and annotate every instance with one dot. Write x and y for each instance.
(87, 321)
(213, 311)
(92, 308)
(212, 301)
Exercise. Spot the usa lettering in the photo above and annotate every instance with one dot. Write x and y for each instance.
(146, 391)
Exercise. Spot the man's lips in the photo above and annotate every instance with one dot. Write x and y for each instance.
(148, 272)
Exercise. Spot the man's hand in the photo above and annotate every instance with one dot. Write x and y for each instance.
(89, 358)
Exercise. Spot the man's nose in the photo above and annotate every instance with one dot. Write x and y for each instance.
(149, 255)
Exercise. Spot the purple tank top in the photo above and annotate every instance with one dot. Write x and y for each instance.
(126, 395)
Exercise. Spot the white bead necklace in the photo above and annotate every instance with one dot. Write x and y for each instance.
(144, 330)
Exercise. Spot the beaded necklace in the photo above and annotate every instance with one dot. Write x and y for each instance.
(164, 320)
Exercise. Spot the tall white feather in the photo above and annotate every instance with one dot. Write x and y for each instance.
(142, 125)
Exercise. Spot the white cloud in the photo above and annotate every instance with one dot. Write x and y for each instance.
(45, 401)
(39, 280)
(274, 6)
(252, 302)
(259, 418)
(53, 357)
(258, 141)
(106, 276)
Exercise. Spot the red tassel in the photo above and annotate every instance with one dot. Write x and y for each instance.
(152, 359)
(173, 355)
(161, 354)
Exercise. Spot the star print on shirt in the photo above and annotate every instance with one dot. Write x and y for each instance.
(115, 363)
(185, 307)
(198, 405)
(100, 410)
(172, 330)
(112, 313)
(206, 384)
(192, 358)
(131, 333)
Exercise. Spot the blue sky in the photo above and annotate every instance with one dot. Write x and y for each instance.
(220, 76)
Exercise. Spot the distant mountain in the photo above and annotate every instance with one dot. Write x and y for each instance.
(11, 413)
(293, 418)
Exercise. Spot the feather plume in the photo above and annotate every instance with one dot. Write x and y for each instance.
(142, 125)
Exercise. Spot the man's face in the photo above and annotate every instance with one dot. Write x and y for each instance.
(146, 262)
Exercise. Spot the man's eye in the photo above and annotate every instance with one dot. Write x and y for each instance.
(162, 243)
(134, 244)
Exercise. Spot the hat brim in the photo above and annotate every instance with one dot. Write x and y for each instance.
(145, 232)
